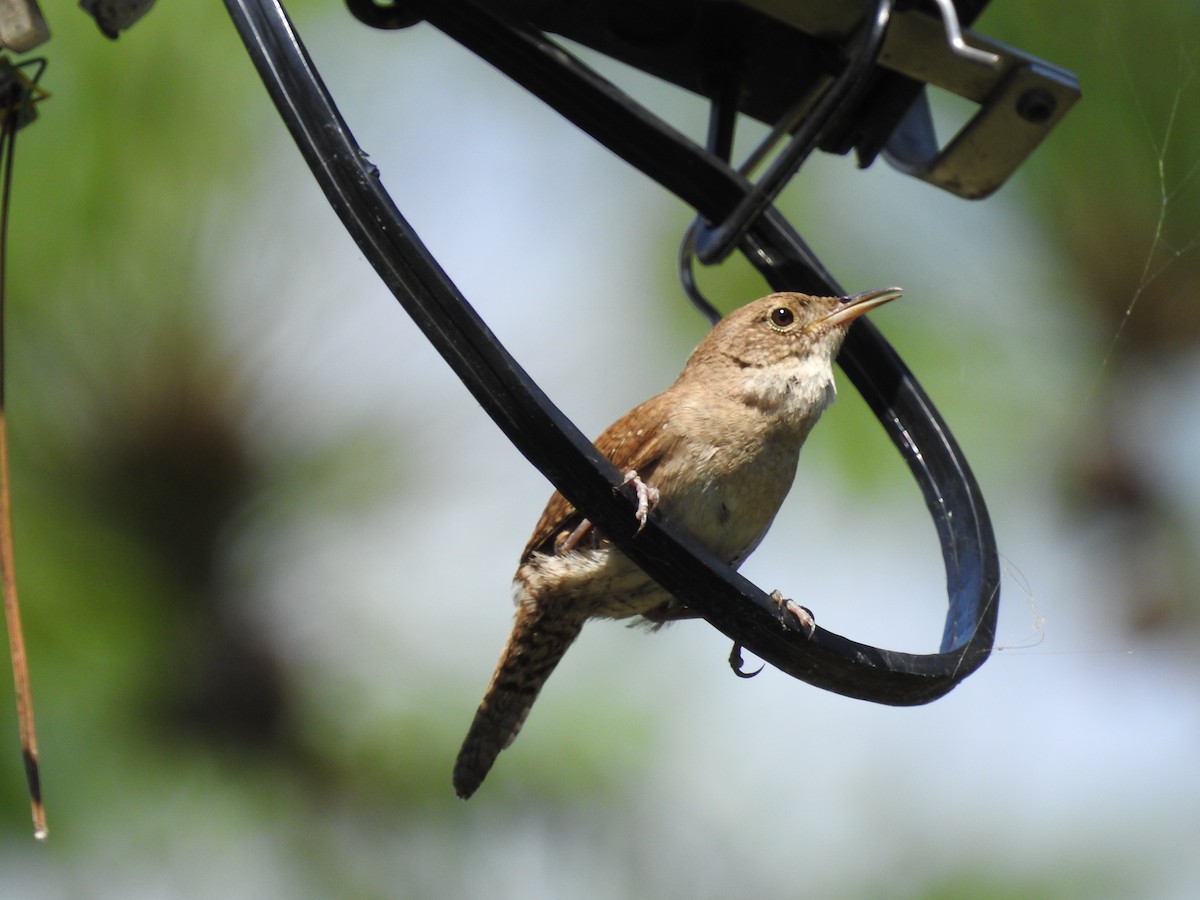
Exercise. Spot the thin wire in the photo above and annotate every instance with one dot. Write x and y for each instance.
(8, 581)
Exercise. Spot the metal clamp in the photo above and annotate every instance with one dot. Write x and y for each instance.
(1020, 98)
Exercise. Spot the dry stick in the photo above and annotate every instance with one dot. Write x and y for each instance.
(8, 580)
(16, 642)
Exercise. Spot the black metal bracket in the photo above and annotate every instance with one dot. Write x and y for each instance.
(541, 432)
(777, 52)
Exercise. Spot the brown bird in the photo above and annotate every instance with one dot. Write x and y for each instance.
(715, 454)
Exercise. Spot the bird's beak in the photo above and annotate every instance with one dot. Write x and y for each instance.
(852, 307)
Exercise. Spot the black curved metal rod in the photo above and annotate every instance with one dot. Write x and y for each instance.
(540, 431)
(707, 183)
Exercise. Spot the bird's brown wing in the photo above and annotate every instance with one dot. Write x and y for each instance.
(635, 441)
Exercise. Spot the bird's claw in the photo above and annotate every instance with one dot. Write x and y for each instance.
(647, 497)
(736, 663)
(793, 616)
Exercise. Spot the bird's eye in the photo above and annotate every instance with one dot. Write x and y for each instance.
(782, 317)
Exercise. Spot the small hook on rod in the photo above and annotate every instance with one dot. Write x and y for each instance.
(954, 37)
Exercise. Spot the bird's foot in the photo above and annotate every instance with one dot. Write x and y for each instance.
(647, 497)
(792, 615)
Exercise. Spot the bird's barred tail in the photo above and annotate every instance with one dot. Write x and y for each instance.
(538, 641)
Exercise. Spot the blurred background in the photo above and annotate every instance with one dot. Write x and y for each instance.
(264, 537)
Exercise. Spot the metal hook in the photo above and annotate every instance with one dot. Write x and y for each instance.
(722, 123)
(955, 39)
(687, 277)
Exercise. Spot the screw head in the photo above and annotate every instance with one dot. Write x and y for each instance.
(1036, 105)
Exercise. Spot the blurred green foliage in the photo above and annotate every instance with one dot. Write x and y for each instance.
(128, 456)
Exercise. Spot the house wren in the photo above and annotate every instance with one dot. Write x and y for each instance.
(715, 454)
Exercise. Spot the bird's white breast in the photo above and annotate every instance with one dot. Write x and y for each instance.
(798, 389)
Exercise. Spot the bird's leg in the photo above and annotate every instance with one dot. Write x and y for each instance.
(647, 497)
(792, 614)
(571, 541)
